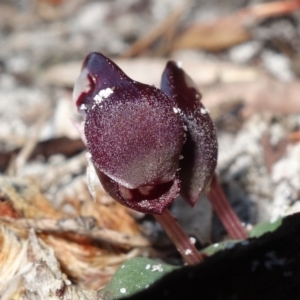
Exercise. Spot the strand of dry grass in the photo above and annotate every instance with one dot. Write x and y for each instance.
(84, 226)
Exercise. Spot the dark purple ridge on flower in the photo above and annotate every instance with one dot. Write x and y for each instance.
(134, 134)
(200, 150)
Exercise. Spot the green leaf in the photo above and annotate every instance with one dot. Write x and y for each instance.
(263, 228)
(212, 249)
(257, 231)
(134, 275)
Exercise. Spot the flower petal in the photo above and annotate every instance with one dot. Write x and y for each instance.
(146, 199)
(201, 149)
(132, 132)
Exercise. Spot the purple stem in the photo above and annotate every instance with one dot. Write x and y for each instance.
(182, 242)
(224, 211)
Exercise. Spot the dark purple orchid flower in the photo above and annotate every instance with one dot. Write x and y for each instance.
(147, 145)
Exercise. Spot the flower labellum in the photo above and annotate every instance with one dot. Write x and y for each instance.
(136, 133)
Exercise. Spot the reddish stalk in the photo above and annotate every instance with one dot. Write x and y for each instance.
(224, 211)
(182, 242)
